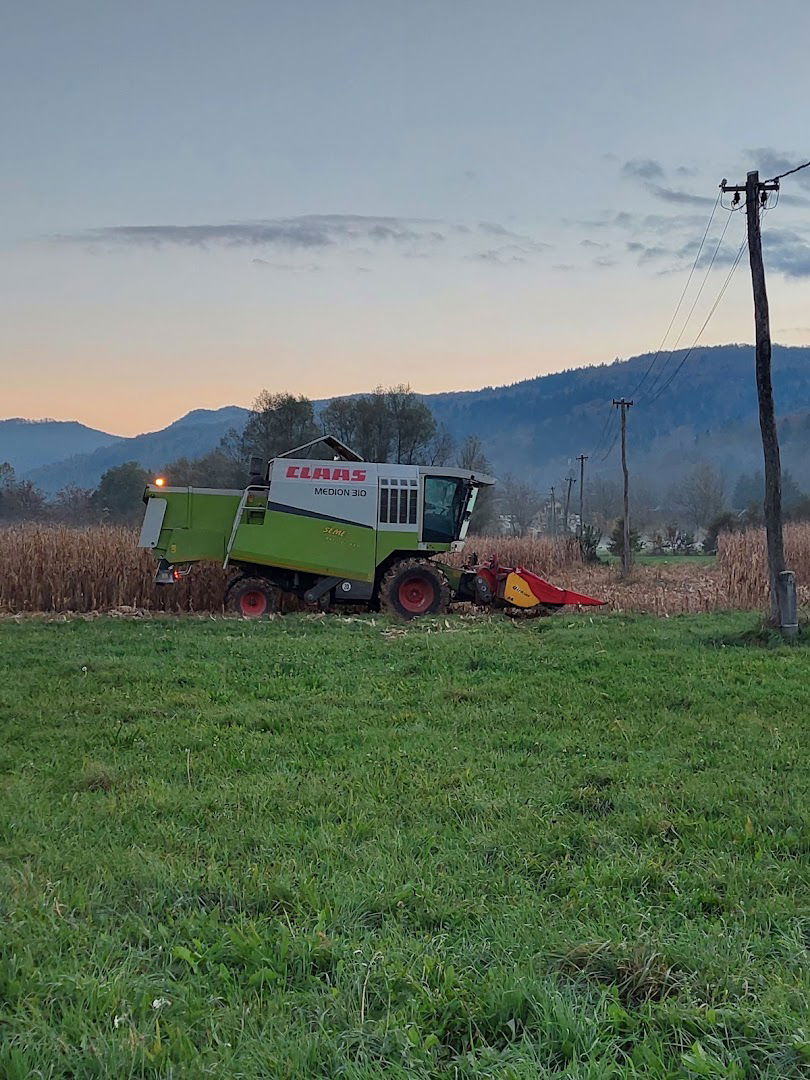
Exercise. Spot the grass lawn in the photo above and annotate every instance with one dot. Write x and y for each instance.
(573, 847)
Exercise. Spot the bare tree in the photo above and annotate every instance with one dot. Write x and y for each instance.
(412, 424)
(520, 504)
(472, 457)
(700, 496)
(605, 501)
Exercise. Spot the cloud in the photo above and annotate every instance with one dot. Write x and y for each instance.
(520, 243)
(293, 268)
(591, 244)
(603, 262)
(646, 252)
(361, 235)
(309, 232)
(786, 252)
(793, 200)
(643, 168)
(563, 266)
(681, 198)
(496, 257)
(719, 256)
(772, 162)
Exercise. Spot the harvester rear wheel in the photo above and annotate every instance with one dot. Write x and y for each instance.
(414, 587)
(252, 598)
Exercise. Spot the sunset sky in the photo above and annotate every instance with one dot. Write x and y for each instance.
(201, 199)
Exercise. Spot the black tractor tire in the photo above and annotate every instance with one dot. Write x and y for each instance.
(414, 587)
(252, 598)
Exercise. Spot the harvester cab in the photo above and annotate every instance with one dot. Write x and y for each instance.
(330, 531)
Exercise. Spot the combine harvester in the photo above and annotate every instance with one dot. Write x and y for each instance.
(340, 531)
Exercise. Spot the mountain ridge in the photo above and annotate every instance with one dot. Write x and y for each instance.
(535, 427)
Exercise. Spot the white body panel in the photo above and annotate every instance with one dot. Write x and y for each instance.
(152, 523)
(342, 490)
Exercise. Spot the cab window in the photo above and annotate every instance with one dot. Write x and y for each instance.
(444, 504)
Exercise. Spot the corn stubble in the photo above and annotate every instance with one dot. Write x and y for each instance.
(48, 568)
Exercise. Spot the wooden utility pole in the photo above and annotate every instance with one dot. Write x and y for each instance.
(569, 480)
(553, 514)
(581, 458)
(627, 555)
(782, 604)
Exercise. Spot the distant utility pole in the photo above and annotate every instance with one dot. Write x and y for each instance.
(569, 480)
(582, 458)
(553, 514)
(782, 582)
(627, 555)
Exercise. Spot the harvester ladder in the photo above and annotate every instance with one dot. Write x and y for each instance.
(237, 521)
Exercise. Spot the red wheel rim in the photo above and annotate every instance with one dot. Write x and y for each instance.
(416, 594)
(253, 603)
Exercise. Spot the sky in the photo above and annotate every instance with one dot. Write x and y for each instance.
(202, 199)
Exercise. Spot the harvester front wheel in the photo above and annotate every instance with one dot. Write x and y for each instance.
(252, 598)
(414, 587)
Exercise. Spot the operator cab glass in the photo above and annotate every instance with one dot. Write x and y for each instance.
(445, 506)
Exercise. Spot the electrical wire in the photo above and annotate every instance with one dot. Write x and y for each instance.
(712, 310)
(698, 295)
(602, 435)
(652, 363)
(607, 427)
(611, 434)
(790, 172)
(609, 450)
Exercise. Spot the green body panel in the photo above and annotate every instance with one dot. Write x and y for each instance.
(311, 544)
(454, 575)
(406, 540)
(338, 518)
(197, 525)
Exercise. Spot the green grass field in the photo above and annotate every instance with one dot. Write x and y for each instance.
(573, 847)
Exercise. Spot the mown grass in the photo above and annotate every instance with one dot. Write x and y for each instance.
(322, 848)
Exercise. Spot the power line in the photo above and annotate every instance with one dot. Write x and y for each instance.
(790, 172)
(609, 450)
(712, 310)
(603, 434)
(698, 295)
(680, 301)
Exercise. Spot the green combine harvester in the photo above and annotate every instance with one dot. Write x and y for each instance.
(339, 531)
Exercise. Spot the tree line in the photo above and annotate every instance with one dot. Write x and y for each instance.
(389, 424)
(393, 424)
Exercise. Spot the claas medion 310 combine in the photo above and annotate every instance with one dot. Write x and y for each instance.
(342, 531)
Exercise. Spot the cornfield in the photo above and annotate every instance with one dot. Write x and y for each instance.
(62, 569)
(540, 554)
(742, 563)
(98, 568)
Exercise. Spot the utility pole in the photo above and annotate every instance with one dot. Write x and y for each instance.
(569, 480)
(782, 582)
(581, 458)
(553, 514)
(627, 556)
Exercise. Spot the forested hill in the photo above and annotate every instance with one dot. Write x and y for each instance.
(533, 428)
(28, 444)
(709, 412)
